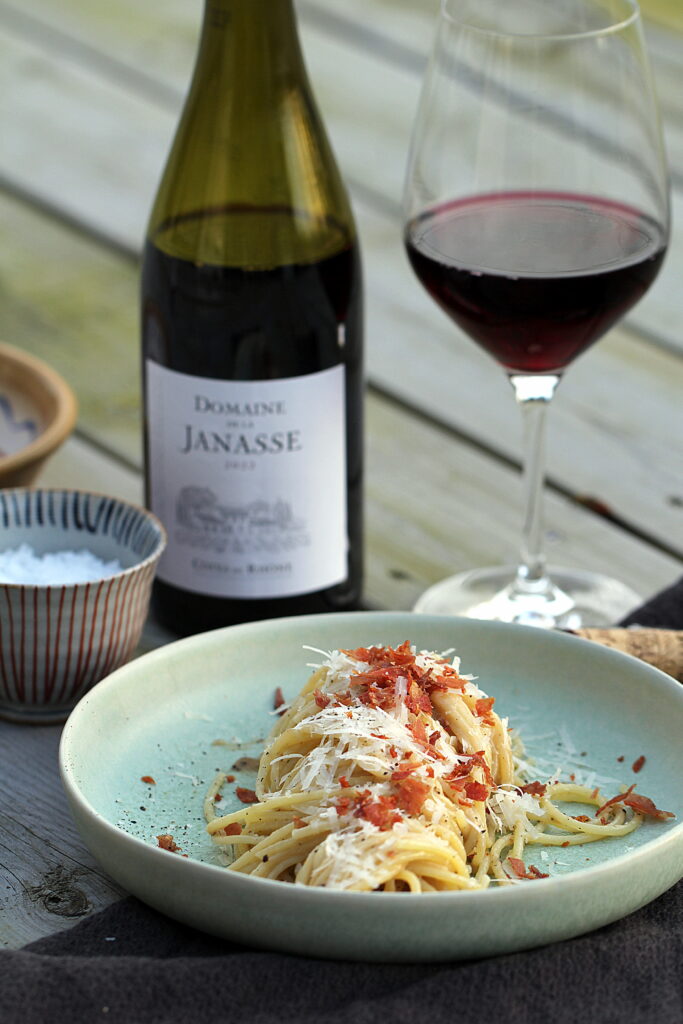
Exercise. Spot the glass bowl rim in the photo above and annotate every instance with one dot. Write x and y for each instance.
(632, 15)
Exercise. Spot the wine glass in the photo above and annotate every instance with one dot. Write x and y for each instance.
(536, 214)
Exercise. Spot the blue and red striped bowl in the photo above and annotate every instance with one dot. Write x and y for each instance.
(57, 641)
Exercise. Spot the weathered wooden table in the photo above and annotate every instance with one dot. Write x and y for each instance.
(89, 98)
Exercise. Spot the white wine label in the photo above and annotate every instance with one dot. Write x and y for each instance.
(249, 478)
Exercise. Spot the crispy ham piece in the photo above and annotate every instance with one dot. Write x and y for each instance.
(411, 795)
(535, 788)
(247, 796)
(476, 791)
(278, 700)
(639, 803)
(167, 842)
(483, 708)
(521, 871)
(380, 811)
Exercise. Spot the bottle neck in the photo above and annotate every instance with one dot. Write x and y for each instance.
(251, 180)
(254, 35)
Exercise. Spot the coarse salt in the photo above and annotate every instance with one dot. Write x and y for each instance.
(54, 568)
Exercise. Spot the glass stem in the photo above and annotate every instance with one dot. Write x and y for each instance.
(533, 395)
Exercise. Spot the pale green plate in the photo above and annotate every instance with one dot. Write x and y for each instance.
(580, 707)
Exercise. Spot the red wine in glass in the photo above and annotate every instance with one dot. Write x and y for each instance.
(535, 277)
(536, 211)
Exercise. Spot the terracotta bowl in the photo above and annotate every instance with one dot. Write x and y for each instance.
(58, 640)
(37, 414)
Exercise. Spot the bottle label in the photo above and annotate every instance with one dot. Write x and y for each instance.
(249, 478)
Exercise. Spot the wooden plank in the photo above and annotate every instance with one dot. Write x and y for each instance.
(48, 880)
(79, 465)
(74, 303)
(402, 31)
(664, 12)
(431, 531)
(67, 177)
(391, 333)
(463, 512)
(434, 508)
(80, 313)
(108, 181)
(120, 37)
(71, 110)
(395, 29)
(78, 309)
(643, 437)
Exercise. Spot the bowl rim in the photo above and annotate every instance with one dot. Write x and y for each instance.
(64, 421)
(153, 557)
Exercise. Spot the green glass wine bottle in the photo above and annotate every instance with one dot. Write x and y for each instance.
(252, 340)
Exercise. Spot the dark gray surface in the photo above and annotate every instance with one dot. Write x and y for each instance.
(128, 964)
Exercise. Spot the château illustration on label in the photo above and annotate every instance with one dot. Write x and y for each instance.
(252, 340)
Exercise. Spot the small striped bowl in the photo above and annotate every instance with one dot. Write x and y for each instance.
(57, 641)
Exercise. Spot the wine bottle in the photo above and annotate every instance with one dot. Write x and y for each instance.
(252, 340)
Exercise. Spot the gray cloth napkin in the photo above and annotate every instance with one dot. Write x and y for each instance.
(130, 965)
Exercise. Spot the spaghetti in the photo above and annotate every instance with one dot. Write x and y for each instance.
(392, 771)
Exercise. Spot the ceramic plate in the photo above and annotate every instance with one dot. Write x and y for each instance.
(205, 704)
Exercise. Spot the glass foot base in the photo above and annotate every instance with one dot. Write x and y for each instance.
(570, 599)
